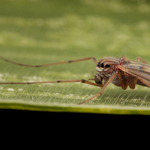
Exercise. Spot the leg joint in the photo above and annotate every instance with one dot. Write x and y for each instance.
(83, 81)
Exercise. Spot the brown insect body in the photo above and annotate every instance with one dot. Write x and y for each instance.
(119, 71)
(138, 69)
(107, 66)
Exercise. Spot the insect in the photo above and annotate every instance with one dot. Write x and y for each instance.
(119, 71)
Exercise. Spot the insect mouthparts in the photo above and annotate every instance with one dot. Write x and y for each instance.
(99, 69)
(98, 79)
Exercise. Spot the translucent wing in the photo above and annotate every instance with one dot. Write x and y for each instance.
(138, 69)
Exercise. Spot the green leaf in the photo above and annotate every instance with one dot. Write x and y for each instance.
(55, 31)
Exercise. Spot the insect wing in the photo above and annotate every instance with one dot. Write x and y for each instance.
(138, 69)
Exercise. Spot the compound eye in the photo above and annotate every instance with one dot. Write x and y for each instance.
(98, 64)
(102, 65)
(107, 65)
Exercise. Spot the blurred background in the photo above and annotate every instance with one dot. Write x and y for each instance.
(47, 31)
(81, 27)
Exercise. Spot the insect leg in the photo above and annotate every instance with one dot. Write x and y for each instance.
(58, 81)
(133, 83)
(125, 58)
(123, 82)
(147, 82)
(141, 59)
(51, 64)
(103, 88)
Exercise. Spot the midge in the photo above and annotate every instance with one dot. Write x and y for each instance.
(119, 71)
